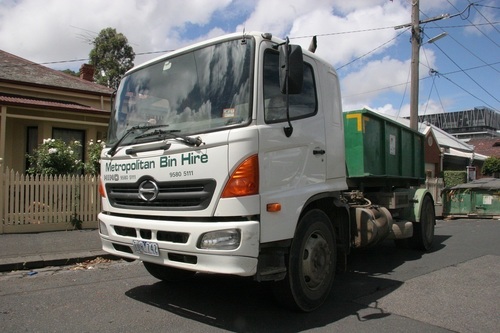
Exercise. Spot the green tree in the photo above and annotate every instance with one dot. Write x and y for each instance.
(491, 166)
(111, 57)
(70, 72)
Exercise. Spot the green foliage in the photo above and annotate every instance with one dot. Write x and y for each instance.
(94, 155)
(453, 178)
(111, 56)
(491, 166)
(76, 222)
(70, 72)
(55, 157)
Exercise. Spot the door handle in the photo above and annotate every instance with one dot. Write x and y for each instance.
(319, 152)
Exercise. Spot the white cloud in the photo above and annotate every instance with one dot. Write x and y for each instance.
(388, 109)
(349, 6)
(337, 43)
(381, 77)
(430, 106)
(277, 16)
(32, 28)
(53, 30)
(387, 74)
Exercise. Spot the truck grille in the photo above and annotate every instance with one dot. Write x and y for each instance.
(181, 195)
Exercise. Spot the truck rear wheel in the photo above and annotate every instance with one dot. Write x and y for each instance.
(167, 274)
(311, 264)
(423, 232)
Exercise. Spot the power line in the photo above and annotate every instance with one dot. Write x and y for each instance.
(463, 25)
(488, 6)
(378, 47)
(467, 18)
(342, 32)
(433, 83)
(470, 77)
(407, 83)
(472, 53)
(474, 25)
(475, 67)
(424, 78)
(437, 92)
(433, 73)
(293, 37)
(77, 60)
(486, 19)
(468, 8)
(59, 62)
(467, 91)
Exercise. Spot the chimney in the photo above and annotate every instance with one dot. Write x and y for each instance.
(87, 72)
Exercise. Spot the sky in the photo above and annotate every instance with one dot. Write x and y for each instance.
(458, 72)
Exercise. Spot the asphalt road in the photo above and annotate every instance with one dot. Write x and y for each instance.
(454, 288)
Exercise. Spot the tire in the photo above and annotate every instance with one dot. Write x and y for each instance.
(423, 232)
(167, 274)
(311, 264)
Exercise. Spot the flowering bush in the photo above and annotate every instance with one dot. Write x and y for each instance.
(55, 157)
(94, 153)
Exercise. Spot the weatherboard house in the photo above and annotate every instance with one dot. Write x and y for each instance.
(37, 103)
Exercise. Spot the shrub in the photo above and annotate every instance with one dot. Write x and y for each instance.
(453, 178)
(94, 153)
(491, 166)
(55, 157)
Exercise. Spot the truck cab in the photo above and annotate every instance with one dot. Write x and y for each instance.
(228, 157)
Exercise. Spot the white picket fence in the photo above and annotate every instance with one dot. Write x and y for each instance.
(50, 203)
(47, 203)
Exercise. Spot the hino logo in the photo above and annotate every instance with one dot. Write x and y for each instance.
(148, 190)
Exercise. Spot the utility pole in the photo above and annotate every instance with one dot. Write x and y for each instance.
(416, 41)
(415, 60)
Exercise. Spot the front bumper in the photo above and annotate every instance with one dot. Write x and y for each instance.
(179, 248)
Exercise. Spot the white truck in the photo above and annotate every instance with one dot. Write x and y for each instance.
(233, 156)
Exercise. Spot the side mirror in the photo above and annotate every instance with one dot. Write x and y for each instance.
(291, 68)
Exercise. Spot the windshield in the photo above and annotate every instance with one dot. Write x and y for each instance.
(204, 90)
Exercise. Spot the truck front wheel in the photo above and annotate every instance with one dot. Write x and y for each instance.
(167, 274)
(311, 264)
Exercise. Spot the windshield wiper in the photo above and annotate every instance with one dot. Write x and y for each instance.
(113, 149)
(173, 134)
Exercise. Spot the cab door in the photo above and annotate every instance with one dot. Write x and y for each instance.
(291, 168)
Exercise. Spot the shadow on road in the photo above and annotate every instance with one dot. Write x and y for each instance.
(242, 305)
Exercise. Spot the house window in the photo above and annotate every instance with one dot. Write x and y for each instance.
(68, 135)
(31, 142)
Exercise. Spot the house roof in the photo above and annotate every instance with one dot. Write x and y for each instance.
(47, 104)
(489, 147)
(444, 138)
(18, 70)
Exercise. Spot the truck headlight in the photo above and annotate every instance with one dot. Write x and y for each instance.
(220, 240)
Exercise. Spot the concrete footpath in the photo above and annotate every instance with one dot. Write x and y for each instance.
(29, 251)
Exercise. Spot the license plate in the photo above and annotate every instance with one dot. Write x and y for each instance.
(145, 247)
